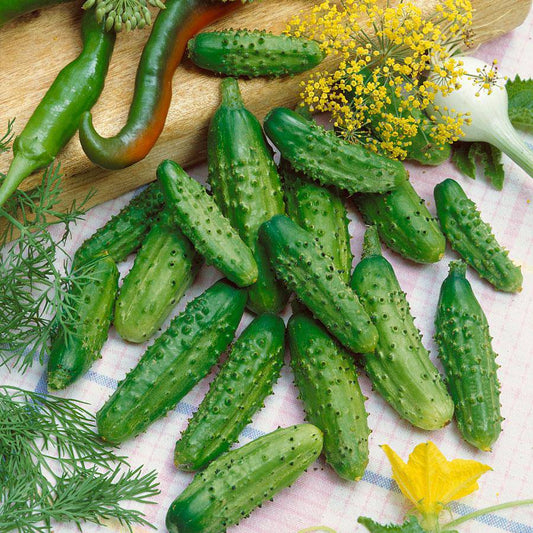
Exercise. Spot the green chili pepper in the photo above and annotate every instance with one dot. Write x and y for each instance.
(172, 29)
(11, 9)
(56, 118)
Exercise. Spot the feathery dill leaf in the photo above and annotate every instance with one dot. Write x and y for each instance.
(54, 467)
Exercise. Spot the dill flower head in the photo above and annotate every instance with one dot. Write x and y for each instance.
(380, 89)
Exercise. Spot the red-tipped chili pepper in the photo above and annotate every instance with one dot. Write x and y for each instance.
(56, 118)
(11, 9)
(163, 52)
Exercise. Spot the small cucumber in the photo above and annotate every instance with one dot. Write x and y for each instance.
(201, 220)
(322, 213)
(404, 223)
(300, 262)
(400, 368)
(240, 480)
(472, 238)
(124, 233)
(174, 364)
(469, 361)
(164, 268)
(238, 391)
(73, 352)
(253, 53)
(246, 186)
(323, 156)
(326, 378)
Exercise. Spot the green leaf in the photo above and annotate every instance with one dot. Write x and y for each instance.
(462, 159)
(466, 156)
(520, 94)
(409, 526)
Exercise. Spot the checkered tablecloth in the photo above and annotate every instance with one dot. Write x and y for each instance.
(319, 496)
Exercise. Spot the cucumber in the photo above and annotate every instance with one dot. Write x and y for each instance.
(400, 368)
(73, 352)
(469, 361)
(173, 364)
(240, 480)
(323, 156)
(201, 220)
(300, 262)
(404, 223)
(238, 391)
(322, 213)
(246, 186)
(125, 232)
(253, 53)
(472, 238)
(164, 268)
(326, 378)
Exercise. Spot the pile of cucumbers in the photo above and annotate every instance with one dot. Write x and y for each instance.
(276, 231)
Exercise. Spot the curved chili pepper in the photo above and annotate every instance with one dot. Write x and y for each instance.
(163, 52)
(56, 118)
(11, 9)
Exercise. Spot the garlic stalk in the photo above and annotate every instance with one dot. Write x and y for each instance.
(487, 112)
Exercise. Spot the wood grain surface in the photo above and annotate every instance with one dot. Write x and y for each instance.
(34, 48)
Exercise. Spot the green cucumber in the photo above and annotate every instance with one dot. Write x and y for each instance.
(202, 222)
(73, 352)
(326, 378)
(472, 238)
(300, 262)
(253, 53)
(322, 213)
(238, 391)
(124, 233)
(469, 361)
(240, 480)
(246, 186)
(323, 156)
(400, 368)
(404, 223)
(174, 364)
(164, 268)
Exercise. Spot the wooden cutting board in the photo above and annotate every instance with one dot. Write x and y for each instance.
(34, 48)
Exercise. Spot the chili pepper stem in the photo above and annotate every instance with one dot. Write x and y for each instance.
(20, 168)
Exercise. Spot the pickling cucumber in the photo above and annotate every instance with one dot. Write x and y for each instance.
(238, 391)
(124, 232)
(253, 53)
(173, 364)
(323, 156)
(326, 378)
(469, 361)
(201, 220)
(400, 368)
(246, 186)
(74, 350)
(300, 262)
(164, 268)
(472, 238)
(240, 480)
(404, 223)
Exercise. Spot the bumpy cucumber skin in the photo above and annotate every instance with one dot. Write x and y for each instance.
(246, 186)
(323, 156)
(124, 232)
(300, 262)
(253, 53)
(466, 353)
(400, 368)
(164, 268)
(404, 223)
(472, 238)
(238, 391)
(201, 220)
(322, 213)
(326, 378)
(174, 364)
(72, 355)
(240, 480)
